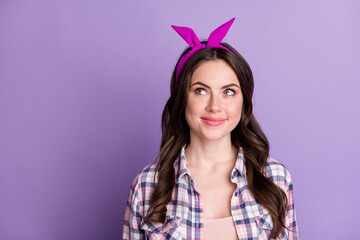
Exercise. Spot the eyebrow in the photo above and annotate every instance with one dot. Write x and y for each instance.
(226, 86)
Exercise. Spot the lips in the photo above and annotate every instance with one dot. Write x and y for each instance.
(213, 121)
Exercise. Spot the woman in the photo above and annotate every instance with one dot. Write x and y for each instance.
(214, 178)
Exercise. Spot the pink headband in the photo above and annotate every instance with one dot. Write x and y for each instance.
(190, 37)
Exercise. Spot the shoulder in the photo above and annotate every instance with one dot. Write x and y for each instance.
(141, 190)
(278, 173)
(145, 178)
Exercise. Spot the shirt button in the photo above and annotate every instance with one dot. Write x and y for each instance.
(197, 224)
(238, 221)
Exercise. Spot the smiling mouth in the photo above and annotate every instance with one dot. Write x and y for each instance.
(213, 121)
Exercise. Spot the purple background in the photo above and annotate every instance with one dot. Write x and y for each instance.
(83, 85)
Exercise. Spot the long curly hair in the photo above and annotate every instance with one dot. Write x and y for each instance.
(247, 134)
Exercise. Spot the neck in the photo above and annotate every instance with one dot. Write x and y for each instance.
(208, 154)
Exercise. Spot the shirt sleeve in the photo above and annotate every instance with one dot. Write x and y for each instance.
(290, 216)
(132, 218)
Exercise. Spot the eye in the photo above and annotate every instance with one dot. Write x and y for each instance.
(200, 91)
(229, 92)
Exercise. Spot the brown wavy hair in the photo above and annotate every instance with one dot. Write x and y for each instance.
(247, 134)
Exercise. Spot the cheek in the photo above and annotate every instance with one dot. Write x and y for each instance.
(193, 107)
(189, 113)
(236, 109)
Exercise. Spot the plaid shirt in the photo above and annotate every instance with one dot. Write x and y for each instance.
(184, 211)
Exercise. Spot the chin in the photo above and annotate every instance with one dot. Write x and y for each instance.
(214, 136)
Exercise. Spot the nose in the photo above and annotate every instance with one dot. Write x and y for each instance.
(214, 104)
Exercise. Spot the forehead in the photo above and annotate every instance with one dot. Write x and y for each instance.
(214, 73)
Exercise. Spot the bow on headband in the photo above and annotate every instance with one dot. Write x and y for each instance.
(190, 37)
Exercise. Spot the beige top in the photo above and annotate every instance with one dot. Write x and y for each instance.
(225, 226)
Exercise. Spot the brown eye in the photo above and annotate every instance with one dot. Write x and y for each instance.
(200, 91)
(229, 92)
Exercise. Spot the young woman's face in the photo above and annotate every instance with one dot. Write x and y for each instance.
(215, 101)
